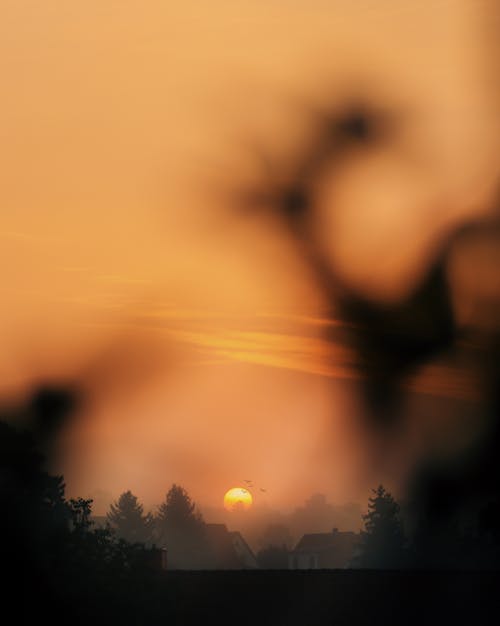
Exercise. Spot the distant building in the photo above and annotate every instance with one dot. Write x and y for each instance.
(228, 550)
(333, 550)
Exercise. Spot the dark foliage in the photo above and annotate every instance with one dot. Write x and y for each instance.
(126, 517)
(55, 561)
(382, 541)
(181, 530)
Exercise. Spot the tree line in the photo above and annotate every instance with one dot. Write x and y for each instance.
(469, 541)
(59, 567)
(177, 526)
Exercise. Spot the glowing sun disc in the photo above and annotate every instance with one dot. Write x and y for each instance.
(237, 498)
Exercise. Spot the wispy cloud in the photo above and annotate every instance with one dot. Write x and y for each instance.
(294, 352)
(302, 348)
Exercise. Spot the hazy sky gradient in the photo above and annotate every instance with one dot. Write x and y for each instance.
(197, 331)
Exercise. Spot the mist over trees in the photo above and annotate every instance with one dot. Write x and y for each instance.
(276, 535)
(63, 569)
(318, 515)
(390, 538)
(180, 528)
(127, 517)
(264, 526)
(57, 534)
(177, 526)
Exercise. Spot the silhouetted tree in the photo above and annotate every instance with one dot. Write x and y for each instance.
(181, 529)
(59, 567)
(35, 519)
(383, 540)
(127, 517)
(80, 511)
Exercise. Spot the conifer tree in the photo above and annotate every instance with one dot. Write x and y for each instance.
(127, 517)
(382, 541)
(181, 530)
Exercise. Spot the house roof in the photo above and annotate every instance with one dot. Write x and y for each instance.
(221, 546)
(316, 542)
(248, 556)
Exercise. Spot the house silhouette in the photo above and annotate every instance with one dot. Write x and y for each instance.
(228, 549)
(334, 550)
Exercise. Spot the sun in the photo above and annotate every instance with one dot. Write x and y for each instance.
(238, 499)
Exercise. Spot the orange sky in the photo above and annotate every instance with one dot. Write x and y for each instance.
(197, 331)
